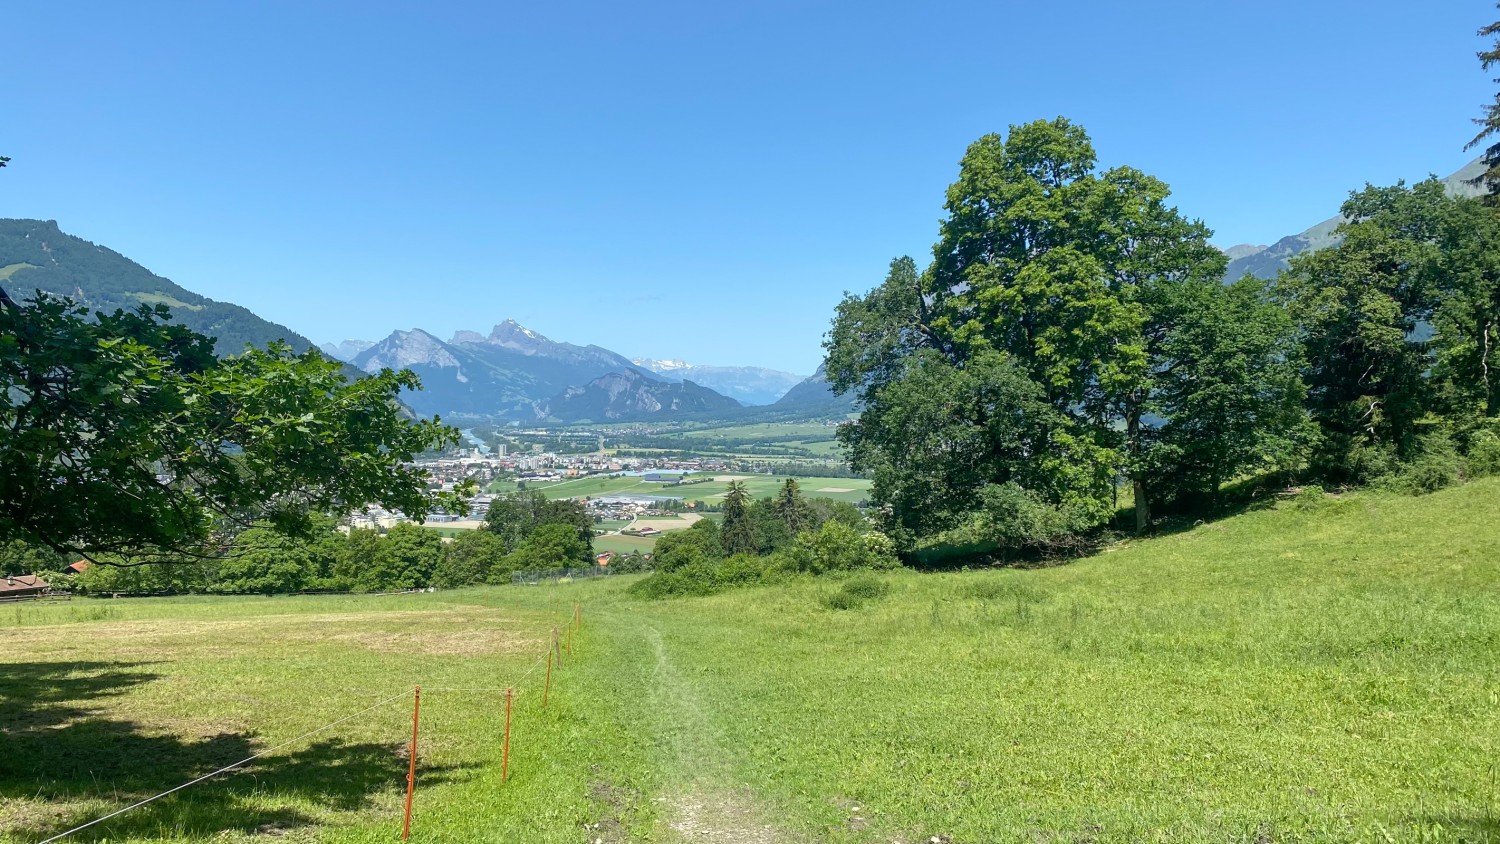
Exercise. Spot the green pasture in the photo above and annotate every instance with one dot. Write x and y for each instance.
(1319, 672)
(446, 531)
(766, 486)
(622, 544)
(807, 430)
(594, 486)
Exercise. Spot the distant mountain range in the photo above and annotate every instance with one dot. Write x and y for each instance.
(1267, 261)
(748, 384)
(511, 373)
(632, 394)
(814, 397)
(345, 350)
(504, 374)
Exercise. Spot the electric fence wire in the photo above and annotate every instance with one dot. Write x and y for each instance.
(208, 776)
(226, 768)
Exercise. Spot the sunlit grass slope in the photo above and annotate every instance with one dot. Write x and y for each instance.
(1323, 674)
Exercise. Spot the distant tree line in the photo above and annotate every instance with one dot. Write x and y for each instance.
(522, 532)
(814, 470)
(1072, 350)
(764, 540)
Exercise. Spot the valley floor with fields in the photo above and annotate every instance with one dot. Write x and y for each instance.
(1309, 672)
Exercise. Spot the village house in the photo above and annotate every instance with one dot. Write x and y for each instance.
(17, 586)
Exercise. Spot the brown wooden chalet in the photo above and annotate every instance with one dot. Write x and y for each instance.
(22, 586)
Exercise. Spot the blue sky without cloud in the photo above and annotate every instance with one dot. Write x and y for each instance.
(700, 180)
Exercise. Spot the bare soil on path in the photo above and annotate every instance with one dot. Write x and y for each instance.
(704, 803)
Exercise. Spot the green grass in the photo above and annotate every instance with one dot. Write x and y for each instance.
(1288, 675)
(448, 532)
(623, 544)
(596, 485)
(11, 269)
(105, 701)
(810, 430)
(164, 299)
(766, 486)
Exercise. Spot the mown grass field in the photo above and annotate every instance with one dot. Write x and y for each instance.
(1285, 675)
(766, 486)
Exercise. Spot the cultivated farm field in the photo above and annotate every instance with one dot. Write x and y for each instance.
(1310, 672)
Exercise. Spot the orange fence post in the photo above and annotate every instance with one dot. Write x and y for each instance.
(411, 771)
(547, 689)
(505, 754)
(570, 641)
(557, 646)
(578, 615)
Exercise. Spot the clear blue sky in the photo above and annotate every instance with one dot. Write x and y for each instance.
(696, 179)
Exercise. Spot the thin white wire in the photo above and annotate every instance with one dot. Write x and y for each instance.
(62, 835)
(211, 775)
(513, 687)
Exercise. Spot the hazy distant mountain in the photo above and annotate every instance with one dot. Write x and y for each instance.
(37, 255)
(1244, 250)
(814, 397)
(632, 394)
(751, 385)
(502, 374)
(345, 350)
(1267, 261)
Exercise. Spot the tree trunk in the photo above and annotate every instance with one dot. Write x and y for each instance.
(1137, 476)
(1142, 506)
(1491, 395)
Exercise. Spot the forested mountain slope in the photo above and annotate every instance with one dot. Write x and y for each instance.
(37, 255)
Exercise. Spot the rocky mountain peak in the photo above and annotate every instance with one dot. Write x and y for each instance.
(405, 349)
(513, 335)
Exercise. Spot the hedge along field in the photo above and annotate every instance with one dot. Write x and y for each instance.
(1321, 671)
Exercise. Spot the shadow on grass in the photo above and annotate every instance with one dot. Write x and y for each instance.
(1473, 827)
(1177, 516)
(60, 753)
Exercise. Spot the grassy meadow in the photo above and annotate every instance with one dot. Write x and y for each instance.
(1308, 672)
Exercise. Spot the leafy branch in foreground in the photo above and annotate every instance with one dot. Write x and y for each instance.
(122, 434)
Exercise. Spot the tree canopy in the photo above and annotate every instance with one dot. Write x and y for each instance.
(122, 434)
(1489, 121)
(1037, 358)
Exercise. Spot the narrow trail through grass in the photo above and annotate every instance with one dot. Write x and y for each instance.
(704, 802)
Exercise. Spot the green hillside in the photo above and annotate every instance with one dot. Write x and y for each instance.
(1316, 671)
(37, 255)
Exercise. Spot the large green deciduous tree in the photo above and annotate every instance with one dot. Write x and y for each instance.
(121, 434)
(515, 517)
(1401, 324)
(1227, 391)
(1466, 319)
(1036, 349)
